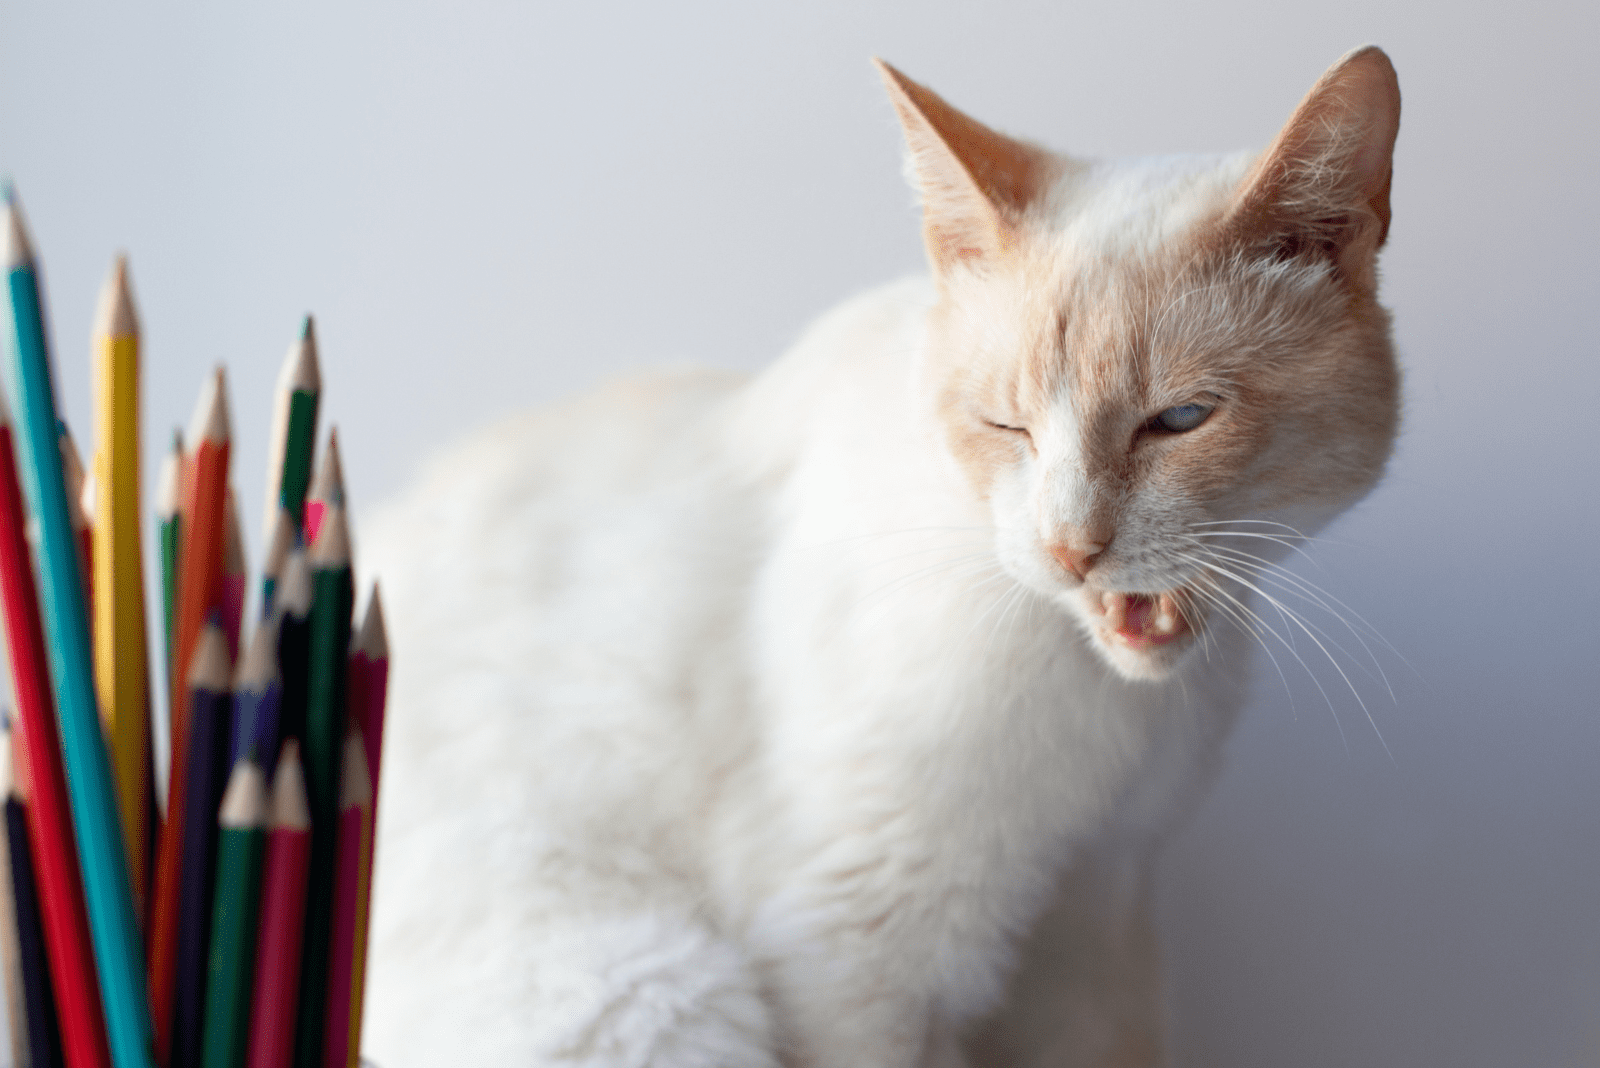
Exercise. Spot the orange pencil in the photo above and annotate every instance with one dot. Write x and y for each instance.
(199, 591)
(283, 904)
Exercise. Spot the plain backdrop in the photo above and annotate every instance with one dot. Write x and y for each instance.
(491, 206)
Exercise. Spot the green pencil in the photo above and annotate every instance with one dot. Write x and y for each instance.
(169, 525)
(332, 603)
(241, 843)
(294, 430)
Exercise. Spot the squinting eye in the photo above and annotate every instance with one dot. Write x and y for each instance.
(1183, 417)
(1013, 429)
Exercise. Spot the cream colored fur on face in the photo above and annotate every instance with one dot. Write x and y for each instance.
(831, 717)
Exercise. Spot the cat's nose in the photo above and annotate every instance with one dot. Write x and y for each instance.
(1077, 556)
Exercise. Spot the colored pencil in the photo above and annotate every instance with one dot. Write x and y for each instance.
(369, 662)
(169, 527)
(234, 574)
(294, 430)
(39, 1018)
(210, 710)
(76, 484)
(38, 750)
(199, 588)
(120, 659)
(10, 946)
(283, 898)
(331, 605)
(294, 643)
(281, 538)
(241, 841)
(355, 822)
(257, 695)
(91, 789)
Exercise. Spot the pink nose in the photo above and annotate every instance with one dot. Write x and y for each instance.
(1077, 558)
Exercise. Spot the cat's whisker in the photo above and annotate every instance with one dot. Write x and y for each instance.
(1238, 611)
(1294, 618)
(1308, 591)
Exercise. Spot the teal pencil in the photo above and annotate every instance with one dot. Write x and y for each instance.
(119, 957)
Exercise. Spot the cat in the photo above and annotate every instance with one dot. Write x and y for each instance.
(832, 716)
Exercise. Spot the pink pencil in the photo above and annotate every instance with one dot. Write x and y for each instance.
(283, 906)
(355, 810)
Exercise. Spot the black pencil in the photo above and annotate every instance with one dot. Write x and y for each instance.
(39, 1003)
(210, 711)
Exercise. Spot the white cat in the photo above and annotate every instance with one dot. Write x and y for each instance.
(831, 717)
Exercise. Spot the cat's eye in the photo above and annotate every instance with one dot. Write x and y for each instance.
(1014, 429)
(1183, 417)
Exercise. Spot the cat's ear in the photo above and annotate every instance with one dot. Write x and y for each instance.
(1323, 185)
(975, 184)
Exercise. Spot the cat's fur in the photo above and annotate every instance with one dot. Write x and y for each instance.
(785, 721)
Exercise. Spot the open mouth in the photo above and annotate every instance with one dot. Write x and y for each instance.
(1143, 620)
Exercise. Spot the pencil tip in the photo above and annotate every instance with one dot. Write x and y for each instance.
(329, 485)
(289, 807)
(308, 329)
(373, 640)
(210, 669)
(210, 421)
(244, 802)
(301, 369)
(18, 250)
(116, 317)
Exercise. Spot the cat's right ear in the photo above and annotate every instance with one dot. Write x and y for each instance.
(975, 184)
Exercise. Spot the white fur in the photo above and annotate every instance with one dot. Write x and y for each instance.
(723, 732)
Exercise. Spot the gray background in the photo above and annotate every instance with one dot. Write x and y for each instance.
(491, 209)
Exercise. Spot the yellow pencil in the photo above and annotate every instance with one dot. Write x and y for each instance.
(119, 624)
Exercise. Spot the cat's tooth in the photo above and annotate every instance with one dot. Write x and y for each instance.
(1166, 620)
(1116, 609)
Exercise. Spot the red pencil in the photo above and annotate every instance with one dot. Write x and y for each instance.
(283, 905)
(369, 686)
(355, 824)
(66, 926)
(199, 591)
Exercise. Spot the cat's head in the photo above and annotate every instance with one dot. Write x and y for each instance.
(1159, 374)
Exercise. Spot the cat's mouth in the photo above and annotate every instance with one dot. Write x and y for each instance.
(1143, 620)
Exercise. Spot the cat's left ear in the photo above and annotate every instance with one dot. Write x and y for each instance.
(1323, 185)
(975, 184)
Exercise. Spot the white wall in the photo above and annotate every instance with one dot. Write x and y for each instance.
(491, 210)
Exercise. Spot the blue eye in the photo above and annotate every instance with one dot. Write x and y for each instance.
(1183, 417)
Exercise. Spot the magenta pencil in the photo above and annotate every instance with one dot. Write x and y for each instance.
(355, 823)
(283, 904)
(369, 686)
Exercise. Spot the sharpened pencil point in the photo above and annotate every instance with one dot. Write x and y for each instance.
(258, 667)
(290, 808)
(210, 668)
(294, 588)
(116, 316)
(18, 249)
(374, 637)
(355, 785)
(329, 486)
(244, 802)
(210, 421)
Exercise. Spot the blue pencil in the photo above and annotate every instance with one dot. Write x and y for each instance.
(257, 692)
(119, 957)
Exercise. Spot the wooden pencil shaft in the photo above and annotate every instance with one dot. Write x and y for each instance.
(102, 854)
(256, 725)
(119, 610)
(346, 891)
(11, 960)
(240, 851)
(44, 1036)
(49, 815)
(276, 987)
(294, 660)
(375, 687)
(331, 605)
(200, 571)
(209, 714)
(170, 541)
(299, 444)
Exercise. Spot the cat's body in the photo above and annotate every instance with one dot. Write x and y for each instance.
(831, 717)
